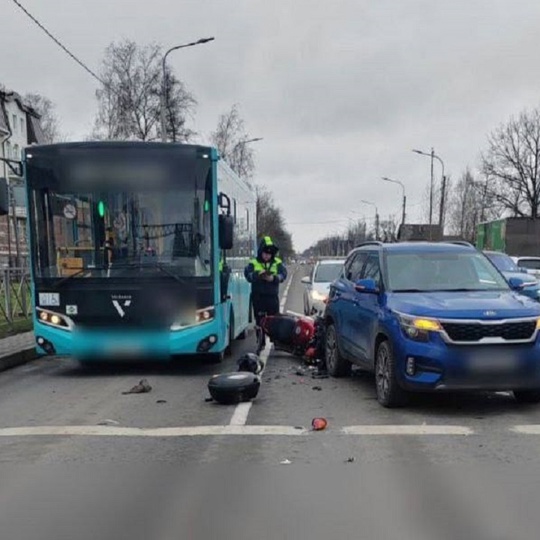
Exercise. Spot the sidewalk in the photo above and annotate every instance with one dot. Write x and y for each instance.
(16, 350)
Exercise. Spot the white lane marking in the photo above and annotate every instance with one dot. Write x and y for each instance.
(286, 293)
(241, 412)
(240, 415)
(533, 429)
(407, 430)
(114, 431)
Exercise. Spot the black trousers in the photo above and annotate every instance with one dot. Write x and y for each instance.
(268, 305)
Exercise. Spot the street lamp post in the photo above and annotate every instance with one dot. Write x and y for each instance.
(376, 218)
(403, 212)
(243, 143)
(433, 156)
(163, 104)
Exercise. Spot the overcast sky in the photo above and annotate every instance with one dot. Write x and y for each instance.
(341, 90)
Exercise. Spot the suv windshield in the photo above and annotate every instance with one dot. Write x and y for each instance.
(326, 273)
(503, 262)
(442, 271)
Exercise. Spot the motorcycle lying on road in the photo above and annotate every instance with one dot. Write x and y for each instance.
(296, 334)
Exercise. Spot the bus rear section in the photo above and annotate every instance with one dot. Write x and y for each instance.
(125, 251)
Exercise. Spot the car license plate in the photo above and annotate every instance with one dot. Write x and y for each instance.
(123, 349)
(493, 361)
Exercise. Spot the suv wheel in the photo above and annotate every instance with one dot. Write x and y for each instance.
(527, 396)
(389, 393)
(336, 365)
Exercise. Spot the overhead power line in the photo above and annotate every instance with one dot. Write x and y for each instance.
(64, 48)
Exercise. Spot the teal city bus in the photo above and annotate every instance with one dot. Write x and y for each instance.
(137, 249)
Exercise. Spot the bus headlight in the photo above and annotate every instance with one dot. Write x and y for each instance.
(205, 315)
(201, 316)
(54, 319)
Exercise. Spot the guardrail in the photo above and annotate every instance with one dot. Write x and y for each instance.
(15, 291)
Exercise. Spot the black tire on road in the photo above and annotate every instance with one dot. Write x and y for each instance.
(228, 350)
(336, 365)
(389, 393)
(527, 396)
(242, 334)
(306, 307)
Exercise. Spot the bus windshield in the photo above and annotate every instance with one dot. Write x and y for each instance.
(120, 232)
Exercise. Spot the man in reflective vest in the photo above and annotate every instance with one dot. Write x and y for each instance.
(265, 273)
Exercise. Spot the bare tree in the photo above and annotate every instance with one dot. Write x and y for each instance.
(470, 204)
(229, 138)
(512, 163)
(47, 111)
(388, 229)
(270, 222)
(129, 100)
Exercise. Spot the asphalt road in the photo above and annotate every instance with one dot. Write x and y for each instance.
(87, 461)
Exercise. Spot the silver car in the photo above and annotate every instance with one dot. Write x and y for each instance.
(531, 264)
(318, 284)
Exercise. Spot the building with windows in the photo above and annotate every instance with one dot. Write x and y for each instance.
(19, 128)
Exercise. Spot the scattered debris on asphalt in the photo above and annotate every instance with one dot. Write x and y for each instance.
(142, 388)
(318, 424)
(208, 399)
(285, 462)
(350, 460)
(161, 401)
(108, 422)
(319, 388)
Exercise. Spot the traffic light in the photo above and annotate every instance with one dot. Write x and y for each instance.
(101, 209)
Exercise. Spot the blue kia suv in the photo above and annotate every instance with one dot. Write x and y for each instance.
(432, 317)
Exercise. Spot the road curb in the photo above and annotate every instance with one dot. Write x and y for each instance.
(17, 359)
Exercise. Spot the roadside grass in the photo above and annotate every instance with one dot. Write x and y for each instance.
(19, 322)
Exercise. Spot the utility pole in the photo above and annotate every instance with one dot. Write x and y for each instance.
(404, 204)
(431, 190)
(441, 209)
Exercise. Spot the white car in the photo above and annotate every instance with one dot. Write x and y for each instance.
(531, 264)
(318, 284)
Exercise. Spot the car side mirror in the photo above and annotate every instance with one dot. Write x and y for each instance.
(523, 270)
(367, 286)
(226, 231)
(518, 284)
(306, 280)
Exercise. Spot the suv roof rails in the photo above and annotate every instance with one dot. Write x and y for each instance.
(370, 243)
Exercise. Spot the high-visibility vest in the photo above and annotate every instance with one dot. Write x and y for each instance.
(271, 268)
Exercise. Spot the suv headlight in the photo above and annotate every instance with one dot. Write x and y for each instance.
(418, 328)
(317, 296)
(201, 316)
(54, 319)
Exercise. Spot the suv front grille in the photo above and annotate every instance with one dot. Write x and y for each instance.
(472, 331)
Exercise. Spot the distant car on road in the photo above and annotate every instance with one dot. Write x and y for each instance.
(318, 284)
(509, 268)
(432, 317)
